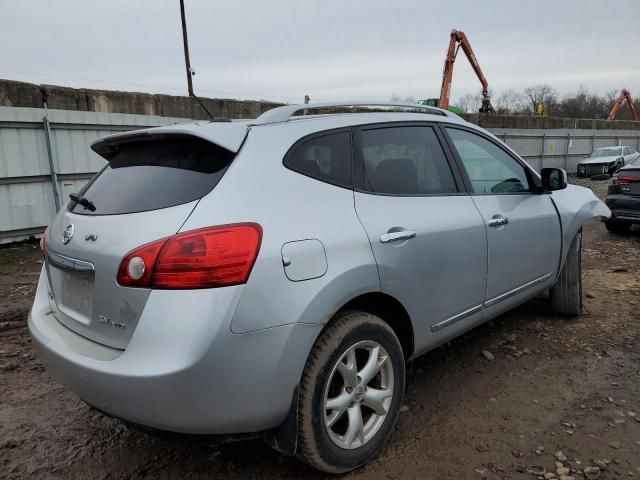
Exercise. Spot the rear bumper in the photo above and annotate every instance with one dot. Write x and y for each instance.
(183, 370)
(624, 207)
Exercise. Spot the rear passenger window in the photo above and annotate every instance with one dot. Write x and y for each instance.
(326, 158)
(405, 161)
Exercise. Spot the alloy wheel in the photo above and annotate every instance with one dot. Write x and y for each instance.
(358, 395)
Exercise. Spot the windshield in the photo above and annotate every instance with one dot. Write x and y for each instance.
(606, 152)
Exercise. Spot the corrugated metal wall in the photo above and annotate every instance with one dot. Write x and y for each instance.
(563, 148)
(26, 194)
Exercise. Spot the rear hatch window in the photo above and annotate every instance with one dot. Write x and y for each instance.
(151, 172)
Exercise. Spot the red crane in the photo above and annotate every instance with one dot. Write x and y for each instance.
(459, 40)
(624, 95)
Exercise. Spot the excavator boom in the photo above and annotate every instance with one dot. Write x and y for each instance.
(459, 40)
(624, 96)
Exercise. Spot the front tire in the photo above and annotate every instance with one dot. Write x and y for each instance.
(350, 394)
(566, 294)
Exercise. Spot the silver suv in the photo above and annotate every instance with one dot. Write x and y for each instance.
(274, 276)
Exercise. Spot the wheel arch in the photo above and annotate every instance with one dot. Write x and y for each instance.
(284, 438)
(576, 206)
(391, 311)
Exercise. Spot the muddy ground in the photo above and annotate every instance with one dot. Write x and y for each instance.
(551, 385)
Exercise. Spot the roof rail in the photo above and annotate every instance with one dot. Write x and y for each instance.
(283, 114)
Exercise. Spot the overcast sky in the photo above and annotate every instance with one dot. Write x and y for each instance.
(332, 50)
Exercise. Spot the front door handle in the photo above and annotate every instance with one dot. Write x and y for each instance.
(401, 235)
(498, 221)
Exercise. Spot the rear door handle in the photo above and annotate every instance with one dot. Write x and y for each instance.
(401, 235)
(498, 221)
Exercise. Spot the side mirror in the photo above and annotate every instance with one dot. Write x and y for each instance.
(553, 179)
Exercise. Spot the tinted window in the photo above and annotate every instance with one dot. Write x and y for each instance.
(405, 161)
(490, 169)
(326, 158)
(155, 173)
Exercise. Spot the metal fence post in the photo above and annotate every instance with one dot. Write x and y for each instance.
(52, 168)
(544, 141)
(566, 156)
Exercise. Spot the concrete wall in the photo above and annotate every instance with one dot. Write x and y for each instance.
(21, 94)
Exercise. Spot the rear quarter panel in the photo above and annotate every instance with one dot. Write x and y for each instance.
(290, 207)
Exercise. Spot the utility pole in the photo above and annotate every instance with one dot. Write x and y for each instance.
(187, 61)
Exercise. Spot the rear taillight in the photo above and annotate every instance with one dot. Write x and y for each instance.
(624, 179)
(142, 260)
(204, 258)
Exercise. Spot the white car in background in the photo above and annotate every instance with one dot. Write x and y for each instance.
(606, 161)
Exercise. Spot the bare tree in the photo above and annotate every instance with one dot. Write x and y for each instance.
(470, 103)
(583, 104)
(399, 99)
(510, 102)
(611, 96)
(544, 94)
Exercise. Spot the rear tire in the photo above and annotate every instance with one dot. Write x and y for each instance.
(566, 294)
(617, 226)
(349, 433)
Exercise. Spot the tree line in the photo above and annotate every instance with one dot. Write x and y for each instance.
(581, 104)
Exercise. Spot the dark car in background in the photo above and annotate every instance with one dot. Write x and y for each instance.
(623, 198)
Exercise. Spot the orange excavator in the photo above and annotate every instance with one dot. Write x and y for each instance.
(459, 40)
(624, 95)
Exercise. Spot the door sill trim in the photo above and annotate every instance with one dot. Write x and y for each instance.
(489, 303)
(456, 318)
(516, 291)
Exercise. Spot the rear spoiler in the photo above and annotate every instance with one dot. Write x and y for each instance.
(229, 136)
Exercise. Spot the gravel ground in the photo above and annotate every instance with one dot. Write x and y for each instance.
(528, 395)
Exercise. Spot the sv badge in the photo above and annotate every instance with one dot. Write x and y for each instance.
(103, 319)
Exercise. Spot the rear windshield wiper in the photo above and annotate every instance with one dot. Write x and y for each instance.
(87, 204)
